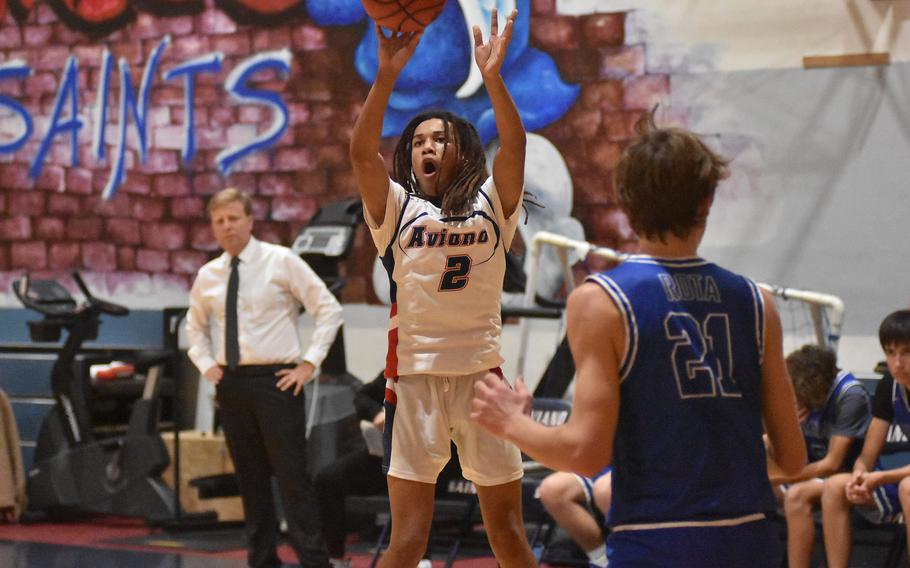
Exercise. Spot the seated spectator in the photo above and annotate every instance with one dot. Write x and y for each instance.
(834, 413)
(579, 504)
(884, 493)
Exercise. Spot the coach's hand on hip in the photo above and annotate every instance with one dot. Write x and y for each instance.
(213, 374)
(296, 377)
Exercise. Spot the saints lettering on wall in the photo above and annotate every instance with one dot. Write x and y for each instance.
(119, 118)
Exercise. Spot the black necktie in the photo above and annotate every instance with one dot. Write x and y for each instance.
(231, 339)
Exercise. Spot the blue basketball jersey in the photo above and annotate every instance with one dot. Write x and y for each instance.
(887, 496)
(817, 428)
(688, 446)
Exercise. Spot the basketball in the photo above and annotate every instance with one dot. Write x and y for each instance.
(403, 15)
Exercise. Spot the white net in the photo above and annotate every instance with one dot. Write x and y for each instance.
(806, 316)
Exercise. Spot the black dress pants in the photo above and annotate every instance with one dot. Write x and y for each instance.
(265, 430)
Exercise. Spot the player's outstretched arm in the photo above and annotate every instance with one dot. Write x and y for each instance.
(509, 163)
(778, 399)
(833, 462)
(369, 167)
(584, 444)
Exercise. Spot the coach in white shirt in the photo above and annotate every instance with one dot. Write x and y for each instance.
(253, 293)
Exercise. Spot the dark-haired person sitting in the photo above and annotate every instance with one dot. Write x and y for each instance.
(834, 413)
(884, 493)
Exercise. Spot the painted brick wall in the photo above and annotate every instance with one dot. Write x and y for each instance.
(591, 51)
(155, 227)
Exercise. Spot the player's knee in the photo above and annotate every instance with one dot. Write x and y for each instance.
(552, 492)
(834, 493)
(548, 497)
(602, 497)
(797, 501)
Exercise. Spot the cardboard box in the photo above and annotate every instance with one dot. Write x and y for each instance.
(201, 454)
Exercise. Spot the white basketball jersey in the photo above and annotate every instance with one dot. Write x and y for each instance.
(446, 282)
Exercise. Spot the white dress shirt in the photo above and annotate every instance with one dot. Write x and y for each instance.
(274, 283)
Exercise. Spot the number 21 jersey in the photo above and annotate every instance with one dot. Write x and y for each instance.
(688, 444)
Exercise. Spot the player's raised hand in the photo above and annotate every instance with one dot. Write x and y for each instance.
(490, 55)
(396, 49)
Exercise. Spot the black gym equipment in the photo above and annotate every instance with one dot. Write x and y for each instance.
(324, 243)
(74, 469)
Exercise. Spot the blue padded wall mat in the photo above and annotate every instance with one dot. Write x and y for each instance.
(138, 328)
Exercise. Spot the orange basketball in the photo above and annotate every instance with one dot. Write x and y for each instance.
(403, 15)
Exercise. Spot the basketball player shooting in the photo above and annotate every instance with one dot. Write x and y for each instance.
(679, 363)
(442, 227)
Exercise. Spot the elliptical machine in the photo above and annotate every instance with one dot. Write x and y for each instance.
(73, 470)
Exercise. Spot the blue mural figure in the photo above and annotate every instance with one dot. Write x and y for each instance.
(440, 74)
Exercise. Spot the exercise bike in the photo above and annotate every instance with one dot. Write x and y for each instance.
(74, 470)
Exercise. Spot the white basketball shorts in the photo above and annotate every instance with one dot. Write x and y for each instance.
(424, 413)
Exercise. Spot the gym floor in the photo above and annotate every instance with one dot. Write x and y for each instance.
(106, 542)
(115, 543)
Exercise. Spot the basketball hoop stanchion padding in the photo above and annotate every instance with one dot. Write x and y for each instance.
(562, 244)
(820, 313)
(403, 15)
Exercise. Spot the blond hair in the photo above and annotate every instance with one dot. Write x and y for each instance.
(230, 195)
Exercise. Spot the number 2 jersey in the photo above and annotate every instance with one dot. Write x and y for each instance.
(688, 447)
(446, 282)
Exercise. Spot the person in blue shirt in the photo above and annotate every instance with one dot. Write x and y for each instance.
(680, 369)
(834, 414)
(885, 493)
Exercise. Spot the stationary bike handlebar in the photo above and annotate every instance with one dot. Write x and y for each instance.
(55, 307)
(61, 304)
(103, 305)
